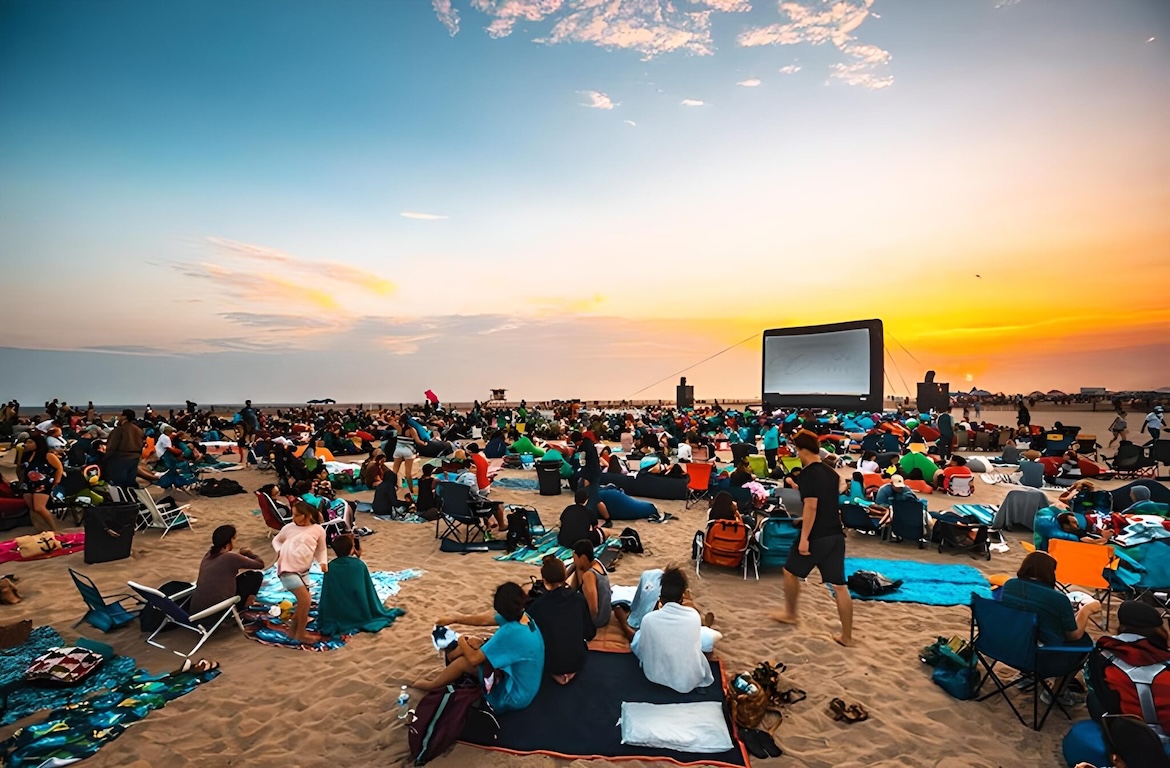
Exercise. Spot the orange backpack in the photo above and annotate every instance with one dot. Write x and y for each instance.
(725, 543)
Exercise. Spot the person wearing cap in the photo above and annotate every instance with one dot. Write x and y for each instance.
(1154, 424)
(123, 450)
(164, 444)
(1129, 673)
(895, 490)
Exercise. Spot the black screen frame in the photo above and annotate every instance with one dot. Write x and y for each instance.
(873, 401)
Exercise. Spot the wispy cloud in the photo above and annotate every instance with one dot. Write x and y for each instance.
(727, 6)
(817, 23)
(751, 82)
(422, 216)
(126, 349)
(630, 123)
(691, 103)
(277, 322)
(597, 100)
(447, 15)
(791, 69)
(333, 271)
(1005, 3)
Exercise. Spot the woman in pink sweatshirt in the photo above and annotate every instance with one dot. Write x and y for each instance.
(297, 545)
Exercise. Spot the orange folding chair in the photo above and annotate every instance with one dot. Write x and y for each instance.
(1084, 565)
(698, 481)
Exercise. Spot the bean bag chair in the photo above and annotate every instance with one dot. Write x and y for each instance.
(976, 464)
(1052, 466)
(624, 507)
(648, 486)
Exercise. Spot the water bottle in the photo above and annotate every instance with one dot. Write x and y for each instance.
(403, 703)
(744, 684)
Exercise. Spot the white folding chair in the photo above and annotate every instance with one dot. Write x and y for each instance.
(175, 614)
(165, 517)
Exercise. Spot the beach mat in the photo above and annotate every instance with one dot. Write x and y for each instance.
(458, 547)
(924, 583)
(557, 724)
(610, 639)
(516, 484)
(545, 545)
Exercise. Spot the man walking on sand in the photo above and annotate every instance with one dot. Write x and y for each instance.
(822, 538)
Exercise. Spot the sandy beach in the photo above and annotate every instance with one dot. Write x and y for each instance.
(280, 707)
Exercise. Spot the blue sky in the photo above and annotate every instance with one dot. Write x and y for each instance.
(225, 184)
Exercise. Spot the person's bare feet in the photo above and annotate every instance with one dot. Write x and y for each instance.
(847, 642)
(783, 617)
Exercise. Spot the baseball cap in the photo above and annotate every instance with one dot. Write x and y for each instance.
(1135, 615)
(898, 481)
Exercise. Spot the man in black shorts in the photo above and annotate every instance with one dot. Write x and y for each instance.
(822, 538)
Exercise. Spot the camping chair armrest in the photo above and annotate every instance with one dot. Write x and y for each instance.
(216, 609)
(1077, 649)
(183, 593)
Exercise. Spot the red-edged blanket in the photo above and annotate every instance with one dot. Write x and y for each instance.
(70, 543)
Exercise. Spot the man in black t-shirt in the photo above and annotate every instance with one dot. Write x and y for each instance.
(822, 538)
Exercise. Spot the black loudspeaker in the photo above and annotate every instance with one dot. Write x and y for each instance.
(684, 394)
(109, 532)
(933, 395)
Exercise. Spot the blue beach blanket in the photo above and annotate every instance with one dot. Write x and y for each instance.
(544, 545)
(516, 484)
(386, 584)
(985, 513)
(925, 583)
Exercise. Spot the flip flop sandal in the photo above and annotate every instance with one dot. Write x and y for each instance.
(837, 709)
(791, 696)
(203, 665)
(855, 713)
(752, 739)
(769, 744)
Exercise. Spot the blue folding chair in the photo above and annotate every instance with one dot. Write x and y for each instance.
(856, 517)
(106, 612)
(1007, 635)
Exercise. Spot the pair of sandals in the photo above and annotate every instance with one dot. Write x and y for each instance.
(203, 665)
(759, 743)
(849, 713)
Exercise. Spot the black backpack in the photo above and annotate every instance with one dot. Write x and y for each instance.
(519, 530)
(871, 583)
(631, 541)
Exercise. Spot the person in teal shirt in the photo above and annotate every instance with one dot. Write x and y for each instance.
(771, 444)
(513, 658)
(1057, 523)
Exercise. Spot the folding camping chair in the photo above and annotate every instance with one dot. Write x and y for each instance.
(1081, 564)
(1132, 460)
(166, 517)
(891, 443)
(963, 532)
(758, 465)
(1134, 741)
(175, 614)
(1002, 634)
(907, 521)
(698, 481)
(1056, 443)
(961, 485)
(465, 521)
(726, 543)
(275, 516)
(105, 612)
(855, 517)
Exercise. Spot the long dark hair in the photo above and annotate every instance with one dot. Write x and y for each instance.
(722, 507)
(41, 451)
(220, 538)
(1038, 566)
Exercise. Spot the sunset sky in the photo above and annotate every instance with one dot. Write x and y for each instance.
(573, 198)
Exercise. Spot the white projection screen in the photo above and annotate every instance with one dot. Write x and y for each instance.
(824, 366)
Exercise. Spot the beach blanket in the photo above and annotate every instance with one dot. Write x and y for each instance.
(985, 513)
(516, 484)
(73, 733)
(349, 602)
(544, 545)
(70, 543)
(271, 630)
(25, 700)
(556, 724)
(924, 583)
(992, 478)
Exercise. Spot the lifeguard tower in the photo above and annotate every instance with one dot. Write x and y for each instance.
(498, 399)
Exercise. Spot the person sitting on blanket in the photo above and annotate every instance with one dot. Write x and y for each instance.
(224, 572)
(956, 467)
(1034, 590)
(578, 523)
(373, 469)
(510, 663)
(427, 502)
(868, 464)
(297, 545)
(1140, 496)
(1141, 641)
(669, 640)
(349, 603)
(592, 580)
(611, 462)
(563, 617)
(1057, 523)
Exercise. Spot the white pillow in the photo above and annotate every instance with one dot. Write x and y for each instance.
(698, 727)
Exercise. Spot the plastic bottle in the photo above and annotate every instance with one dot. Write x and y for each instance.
(403, 703)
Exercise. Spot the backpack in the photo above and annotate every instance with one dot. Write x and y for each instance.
(723, 543)
(220, 487)
(1141, 689)
(631, 541)
(774, 539)
(439, 719)
(871, 583)
(535, 527)
(519, 529)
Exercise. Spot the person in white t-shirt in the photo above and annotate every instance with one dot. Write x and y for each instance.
(1154, 423)
(163, 443)
(684, 452)
(669, 643)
